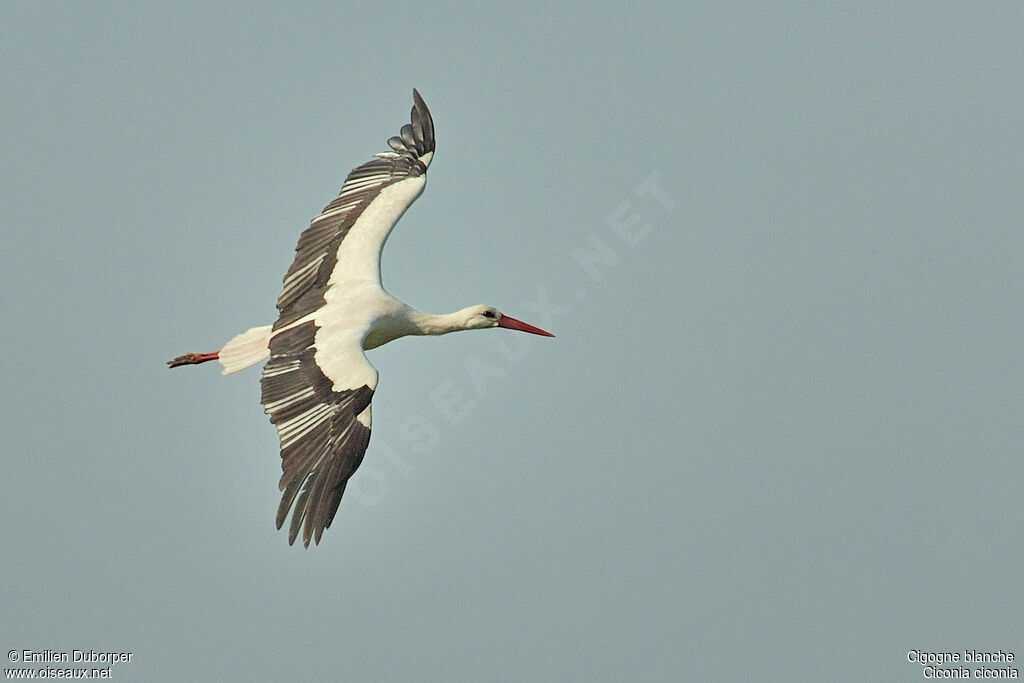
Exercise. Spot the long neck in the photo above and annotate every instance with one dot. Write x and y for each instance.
(431, 324)
(405, 320)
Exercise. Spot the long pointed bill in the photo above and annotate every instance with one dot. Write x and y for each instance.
(510, 323)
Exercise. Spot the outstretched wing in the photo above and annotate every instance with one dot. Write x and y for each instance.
(324, 427)
(344, 242)
(317, 385)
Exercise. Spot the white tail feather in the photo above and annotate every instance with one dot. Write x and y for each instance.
(246, 350)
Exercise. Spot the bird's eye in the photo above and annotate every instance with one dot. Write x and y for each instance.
(488, 314)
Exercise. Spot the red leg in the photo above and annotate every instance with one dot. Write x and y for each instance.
(193, 359)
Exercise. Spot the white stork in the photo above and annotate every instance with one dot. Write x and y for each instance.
(318, 384)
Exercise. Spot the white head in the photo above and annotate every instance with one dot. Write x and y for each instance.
(481, 317)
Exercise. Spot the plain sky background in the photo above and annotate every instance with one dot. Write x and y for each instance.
(778, 435)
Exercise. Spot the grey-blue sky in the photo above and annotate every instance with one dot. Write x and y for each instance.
(778, 439)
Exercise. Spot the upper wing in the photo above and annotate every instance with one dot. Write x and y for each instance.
(324, 428)
(345, 240)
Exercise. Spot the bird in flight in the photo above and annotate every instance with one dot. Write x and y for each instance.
(317, 384)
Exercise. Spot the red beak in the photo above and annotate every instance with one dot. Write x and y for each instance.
(510, 323)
